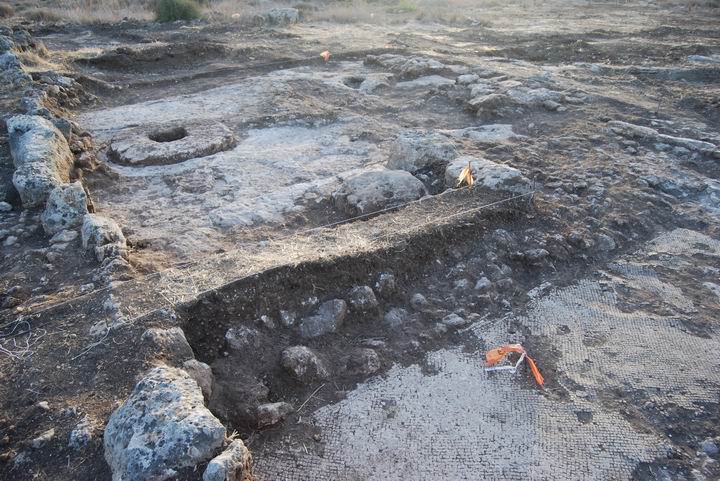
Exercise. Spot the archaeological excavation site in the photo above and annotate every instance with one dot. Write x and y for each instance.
(359, 240)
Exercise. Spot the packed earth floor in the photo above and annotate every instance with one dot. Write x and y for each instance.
(226, 256)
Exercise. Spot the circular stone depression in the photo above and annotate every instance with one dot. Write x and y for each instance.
(170, 143)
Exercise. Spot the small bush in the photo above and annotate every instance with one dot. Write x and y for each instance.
(171, 10)
(6, 10)
(406, 6)
(42, 15)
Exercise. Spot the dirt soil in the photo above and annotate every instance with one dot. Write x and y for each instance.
(606, 269)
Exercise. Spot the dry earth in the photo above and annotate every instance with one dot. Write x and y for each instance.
(270, 199)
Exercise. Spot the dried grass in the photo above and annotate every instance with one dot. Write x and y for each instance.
(100, 11)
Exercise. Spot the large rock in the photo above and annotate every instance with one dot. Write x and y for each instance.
(170, 143)
(282, 16)
(490, 175)
(234, 464)
(327, 319)
(162, 427)
(65, 208)
(406, 67)
(303, 364)
(103, 235)
(648, 134)
(41, 156)
(413, 151)
(376, 190)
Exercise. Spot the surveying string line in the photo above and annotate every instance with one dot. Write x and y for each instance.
(188, 264)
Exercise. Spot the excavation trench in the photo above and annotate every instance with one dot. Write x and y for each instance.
(265, 304)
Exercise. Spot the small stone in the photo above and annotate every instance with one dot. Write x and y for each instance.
(535, 256)
(385, 285)
(327, 319)
(43, 439)
(168, 343)
(462, 284)
(82, 434)
(453, 320)
(233, 464)
(64, 236)
(483, 284)
(467, 79)
(418, 302)
(43, 405)
(363, 362)
(241, 338)
(362, 298)
(10, 240)
(5, 207)
(65, 208)
(504, 284)
(605, 243)
(272, 413)
(267, 321)
(287, 318)
(202, 374)
(303, 364)
(709, 447)
(396, 317)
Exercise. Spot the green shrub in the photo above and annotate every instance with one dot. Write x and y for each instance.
(6, 10)
(171, 10)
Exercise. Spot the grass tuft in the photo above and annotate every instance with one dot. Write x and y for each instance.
(42, 15)
(172, 10)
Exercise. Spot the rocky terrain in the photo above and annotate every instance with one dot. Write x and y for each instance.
(240, 249)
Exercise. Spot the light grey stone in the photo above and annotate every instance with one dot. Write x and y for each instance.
(429, 81)
(103, 235)
(272, 413)
(64, 236)
(162, 427)
(233, 464)
(376, 190)
(453, 320)
(170, 344)
(43, 439)
(41, 156)
(240, 338)
(282, 16)
(303, 364)
(65, 208)
(327, 319)
(5, 207)
(418, 301)
(412, 151)
(406, 67)
(605, 243)
(385, 284)
(396, 317)
(82, 433)
(487, 174)
(202, 374)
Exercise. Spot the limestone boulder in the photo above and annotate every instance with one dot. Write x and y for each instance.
(161, 428)
(41, 156)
